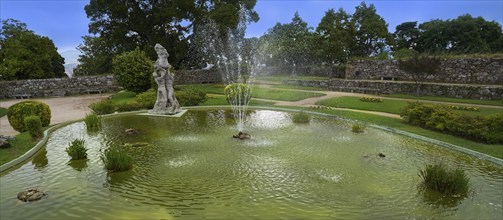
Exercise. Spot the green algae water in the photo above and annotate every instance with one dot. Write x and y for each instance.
(192, 168)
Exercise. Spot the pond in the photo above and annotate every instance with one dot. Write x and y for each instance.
(192, 168)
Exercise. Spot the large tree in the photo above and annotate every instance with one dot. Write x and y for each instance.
(462, 35)
(336, 36)
(406, 36)
(123, 25)
(371, 34)
(26, 55)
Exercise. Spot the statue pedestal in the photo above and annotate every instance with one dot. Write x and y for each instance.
(177, 115)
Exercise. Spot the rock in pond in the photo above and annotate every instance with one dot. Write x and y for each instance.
(30, 195)
(381, 155)
(242, 136)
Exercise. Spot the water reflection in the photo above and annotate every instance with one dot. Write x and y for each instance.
(78, 165)
(439, 200)
(40, 159)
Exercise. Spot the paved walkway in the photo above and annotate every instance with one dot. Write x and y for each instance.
(62, 109)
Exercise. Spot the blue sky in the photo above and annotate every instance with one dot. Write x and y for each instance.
(65, 22)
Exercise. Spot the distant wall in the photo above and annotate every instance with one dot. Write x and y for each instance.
(90, 84)
(489, 92)
(57, 86)
(487, 71)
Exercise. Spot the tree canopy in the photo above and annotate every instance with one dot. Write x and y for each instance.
(26, 55)
(122, 25)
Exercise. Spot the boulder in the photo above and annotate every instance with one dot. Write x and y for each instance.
(30, 195)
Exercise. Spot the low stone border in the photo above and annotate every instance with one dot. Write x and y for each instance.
(35, 149)
(42, 142)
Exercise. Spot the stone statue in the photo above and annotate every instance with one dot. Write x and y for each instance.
(166, 103)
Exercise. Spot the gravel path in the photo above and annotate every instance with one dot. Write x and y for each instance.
(62, 109)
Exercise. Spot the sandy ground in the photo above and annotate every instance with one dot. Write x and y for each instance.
(62, 109)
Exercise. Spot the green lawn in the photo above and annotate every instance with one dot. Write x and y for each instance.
(220, 100)
(3, 112)
(19, 146)
(259, 92)
(445, 99)
(495, 150)
(123, 97)
(280, 78)
(388, 105)
(284, 86)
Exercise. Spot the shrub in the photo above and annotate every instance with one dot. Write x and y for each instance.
(449, 181)
(17, 112)
(301, 117)
(190, 97)
(146, 99)
(464, 108)
(76, 149)
(103, 107)
(133, 70)
(127, 107)
(370, 99)
(92, 121)
(237, 93)
(487, 129)
(116, 159)
(33, 125)
(358, 128)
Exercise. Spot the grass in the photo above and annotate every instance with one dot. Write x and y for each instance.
(116, 159)
(92, 121)
(280, 78)
(19, 146)
(440, 178)
(388, 105)
(284, 86)
(3, 112)
(123, 97)
(446, 99)
(220, 100)
(358, 128)
(259, 92)
(300, 117)
(495, 150)
(76, 149)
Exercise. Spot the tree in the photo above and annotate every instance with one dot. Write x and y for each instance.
(406, 36)
(133, 70)
(291, 44)
(420, 67)
(370, 31)
(335, 31)
(26, 55)
(462, 35)
(123, 25)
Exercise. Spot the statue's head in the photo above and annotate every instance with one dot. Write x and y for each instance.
(160, 50)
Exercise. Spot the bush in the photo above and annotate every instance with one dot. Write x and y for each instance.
(487, 129)
(92, 121)
(358, 128)
(133, 70)
(103, 107)
(17, 112)
(301, 117)
(116, 159)
(190, 97)
(237, 93)
(127, 107)
(464, 108)
(146, 99)
(33, 125)
(449, 181)
(76, 149)
(370, 99)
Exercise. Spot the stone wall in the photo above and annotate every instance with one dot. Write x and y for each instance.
(489, 92)
(56, 87)
(487, 71)
(90, 84)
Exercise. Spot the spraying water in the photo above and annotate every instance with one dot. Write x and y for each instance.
(237, 62)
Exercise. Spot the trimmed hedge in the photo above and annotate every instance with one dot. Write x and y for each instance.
(33, 125)
(486, 129)
(17, 112)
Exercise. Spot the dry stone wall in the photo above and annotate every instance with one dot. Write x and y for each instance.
(89, 84)
(488, 92)
(487, 71)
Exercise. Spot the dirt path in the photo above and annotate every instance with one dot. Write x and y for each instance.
(62, 109)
